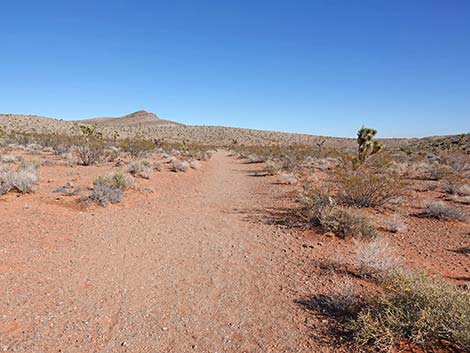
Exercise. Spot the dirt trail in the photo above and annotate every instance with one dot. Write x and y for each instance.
(186, 270)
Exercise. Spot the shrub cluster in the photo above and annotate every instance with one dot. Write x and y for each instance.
(416, 307)
(23, 179)
(440, 210)
(320, 208)
(140, 167)
(110, 188)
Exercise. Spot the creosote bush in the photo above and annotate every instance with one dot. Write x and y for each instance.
(415, 307)
(318, 207)
(346, 223)
(90, 148)
(367, 187)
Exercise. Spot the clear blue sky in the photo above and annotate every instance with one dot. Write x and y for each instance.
(320, 67)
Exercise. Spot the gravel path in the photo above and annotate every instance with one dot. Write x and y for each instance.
(188, 270)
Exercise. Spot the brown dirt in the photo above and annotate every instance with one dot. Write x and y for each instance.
(189, 268)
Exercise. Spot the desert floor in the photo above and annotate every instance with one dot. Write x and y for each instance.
(196, 266)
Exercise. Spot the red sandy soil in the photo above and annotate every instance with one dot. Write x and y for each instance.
(184, 269)
(200, 265)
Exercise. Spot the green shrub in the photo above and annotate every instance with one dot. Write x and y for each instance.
(318, 207)
(416, 307)
(346, 222)
(118, 180)
(368, 187)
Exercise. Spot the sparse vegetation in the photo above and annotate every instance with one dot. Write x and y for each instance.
(368, 187)
(376, 257)
(416, 307)
(110, 188)
(23, 179)
(180, 166)
(91, 146)
(320, 208)
(395, 224)
(440, 210)
(140, 167)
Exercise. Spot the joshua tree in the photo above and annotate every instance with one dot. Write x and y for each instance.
(367, 143)
(320, 145)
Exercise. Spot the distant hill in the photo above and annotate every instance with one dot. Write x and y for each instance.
(149, 125)
(136, 118)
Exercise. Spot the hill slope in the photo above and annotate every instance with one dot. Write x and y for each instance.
(149, 125)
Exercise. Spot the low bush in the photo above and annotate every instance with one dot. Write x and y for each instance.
(366, 187)
(140, 167)
(440, 210)
(180, 166)
(23, 180)
(346, 223)
(394, 224)
(110, 188)
(137, 147)
(90, 153)
(318, 207)
(195, 164)
(116, 180)
(415, 307)
(460, 189)
(104, 194)
(376, 257)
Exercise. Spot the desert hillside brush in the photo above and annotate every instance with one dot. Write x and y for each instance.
(318, 207)
(23, 179)
(416, 307)
(180, 166)
(376, 257)
(441, 210)
(140, 167)
(116, 180)
(110, 188)
(368, 187)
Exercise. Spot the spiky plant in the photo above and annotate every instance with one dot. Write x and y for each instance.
(367, 143)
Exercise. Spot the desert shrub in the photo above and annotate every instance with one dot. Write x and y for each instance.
(137, 147)
(346, 222)
(195, 164)
(458, 160)
(110, 188)
(415, 307)
(180, 166)
(90, 148)
(104, 194)
(288, 178)
(89, 154)
(440, 210)
(368, 187)
(140, 167)
(23, 180)
(394, 224)
(272, 167)
(318, 207)
(376, 257)
(116, 180)
(29, 164)
(455, 188)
